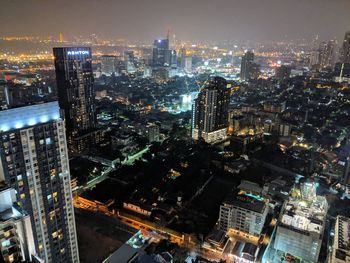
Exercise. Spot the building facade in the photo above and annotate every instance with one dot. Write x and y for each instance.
(34, 161)
(210, 111)
(16, 234)
(161, 55)
(109, 65)
(76, 94)
(341, 250)
(345, 49)
(246, 65)
(283, 72)
(326, 54)
(243, 212)
(299, 230)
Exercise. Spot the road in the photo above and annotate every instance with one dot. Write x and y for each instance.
(92, 183)
(148, 229)
(104, 175)
(131, 159)
(158, 233)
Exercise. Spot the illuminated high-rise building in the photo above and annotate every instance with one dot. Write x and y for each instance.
(129, 56)
(210, 111)
(247, 65)
(283, 72)
(188, 64)
(326, 54)
(182, 56)
(130, 61)
(161, 55)
(5, 96)
(76, 94)
(345, 49)
(34, 161)
(109, 65)
(314, 59)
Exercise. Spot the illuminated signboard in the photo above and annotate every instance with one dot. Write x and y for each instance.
(78, 52)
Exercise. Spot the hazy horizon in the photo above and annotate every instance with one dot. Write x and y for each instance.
(204, 20)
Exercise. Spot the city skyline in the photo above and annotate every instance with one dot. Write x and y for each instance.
(225, 20)
(175, 131)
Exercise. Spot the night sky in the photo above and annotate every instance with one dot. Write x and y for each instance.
(189, 19)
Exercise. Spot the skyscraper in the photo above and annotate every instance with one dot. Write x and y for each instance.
(182, 56)
(326, 54)
(34, 161)
(345, 50)
(246, 65)
(76, 95)
(314, 59)
(130, 61)
(210, 111)
(283, 72)
(109, 65)
(5, 96)
(188, 64)
(161, 55)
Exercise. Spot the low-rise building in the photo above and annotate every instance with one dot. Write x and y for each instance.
(122, 139)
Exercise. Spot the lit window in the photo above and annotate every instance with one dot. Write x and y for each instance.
(55, 196)
(5, 243)
(54, 234)
(52, 215)
(53, 172)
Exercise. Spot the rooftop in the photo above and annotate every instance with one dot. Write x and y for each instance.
(10, 213)
(246, 201)
(249, 186)
(28, 116)
(305, 215)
